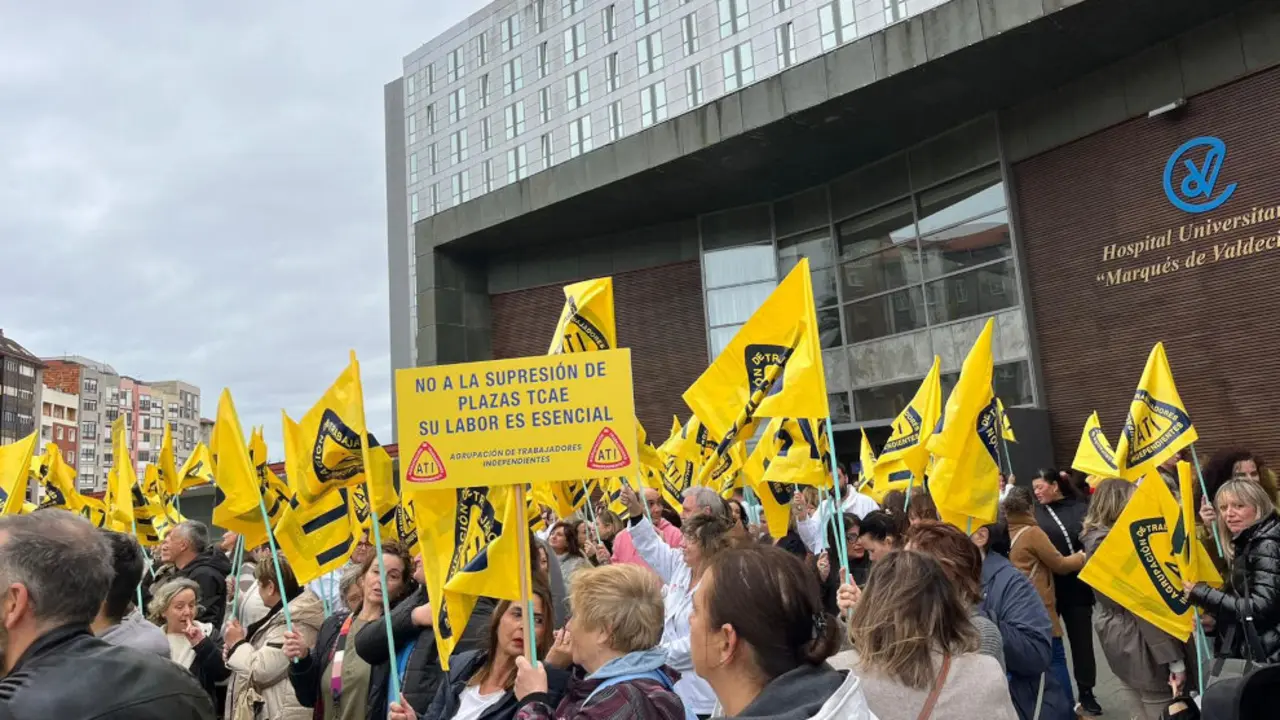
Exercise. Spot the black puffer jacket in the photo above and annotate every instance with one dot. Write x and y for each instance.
(1254, 586)
(68, 673)
(423, 673)
(461, 668)
(209, 570)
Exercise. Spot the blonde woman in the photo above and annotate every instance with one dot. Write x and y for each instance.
(916, 649)
(1144, 658)
(193, 645)
(1247, 608)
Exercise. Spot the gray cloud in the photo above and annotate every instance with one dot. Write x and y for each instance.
(195, 190)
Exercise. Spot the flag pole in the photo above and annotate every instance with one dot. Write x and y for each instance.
(237, 562)
(526, 574)
(275, 560)
(839, 504)
(377, 532)
(138, 588)
(911, 483)
(1195, 462)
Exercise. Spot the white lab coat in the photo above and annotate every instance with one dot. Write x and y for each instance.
(814, 530)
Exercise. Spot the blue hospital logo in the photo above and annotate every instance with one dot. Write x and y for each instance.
(1192, 172)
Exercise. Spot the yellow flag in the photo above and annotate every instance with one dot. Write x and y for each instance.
(469, 548)
(95, 511)
(275, 493)
(587, 320)
(1193, 561)
(121, 480)
(907, 448)
(724, 476)
(236, 495)
(385, 500)
(1137, 565)
(767, 339)
(316, 537)
(169, 478)
(966, 472)
(801, 455)
(197, 471)
(333, 431)
(866, 461)
(1006, 428)
(775, 497)
(1094, 455)
(1158, 425)
(889, 477)
(682, 457)
(15, 466)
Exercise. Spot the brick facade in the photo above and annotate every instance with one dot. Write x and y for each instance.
(63, 376)
(1096, 321)
(660, 317)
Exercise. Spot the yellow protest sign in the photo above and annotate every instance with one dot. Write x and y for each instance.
(548, 418)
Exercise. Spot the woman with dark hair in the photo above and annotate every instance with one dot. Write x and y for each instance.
(922, 509)
(564, 543)
(827, 563)
(481, 683)
(880, 533)
(916, 649)
(332, 677)
(1060, 511)
(761, 639)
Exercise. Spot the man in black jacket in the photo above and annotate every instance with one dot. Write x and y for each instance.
(55, 571)
(187, 547)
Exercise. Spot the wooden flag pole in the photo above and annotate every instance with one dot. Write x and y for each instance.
(275, 560)
(526, 575)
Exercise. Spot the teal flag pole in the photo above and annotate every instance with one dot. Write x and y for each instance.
(275, 560)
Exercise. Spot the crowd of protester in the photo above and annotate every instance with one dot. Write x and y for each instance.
(859, 610)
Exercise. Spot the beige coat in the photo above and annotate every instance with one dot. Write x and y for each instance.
(260, 670)
(975, 689)
(1033, 553)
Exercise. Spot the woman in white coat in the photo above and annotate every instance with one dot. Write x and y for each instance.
(260, 688)
(705, 537)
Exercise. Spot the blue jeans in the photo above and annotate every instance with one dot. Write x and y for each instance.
(1058, 666)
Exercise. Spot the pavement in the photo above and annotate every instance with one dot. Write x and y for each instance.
(1108, 688)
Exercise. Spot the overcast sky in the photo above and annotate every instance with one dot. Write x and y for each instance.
(195, 190)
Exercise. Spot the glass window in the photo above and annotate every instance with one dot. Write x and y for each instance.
(575, 43)
(454, 67)
(486, 135)
(976, 194)
(647, 11)
(739, 68)
(576, 89)
(689, 34)
(431, 119)
(539, 15)
(1010, 381)
(887, 314)
(894, 10)
(580, 136)
(693, 85)
(975, 292)
(785, 38)
(410, 88)
(434, 197)
(818, 247)
(885, 270)
(457, 105)
(515, 120)
(969, 244)
(546, 151)
(649, 52)
(884, 402)
(413, 207)
(486, 175)
(609, 18)
(432, 159)
(734, 305)
(431, 79)
(740, 226)
(510, 33)
(91, 385)
(413, 128)
(544, 60)
(484, 90)
(513, 75)
(90, 405)
(653, 104)
(839, 407)
(413, 168)
(615, 121)
(611, 79)
(461, 187)
(482, 46)
(739, 265)
(836, 23)
(800, 212)
(517, 164)
(734, 16)
(888, 227)
(721, 337)
(458, 146)
(544, 105)
(570, 7)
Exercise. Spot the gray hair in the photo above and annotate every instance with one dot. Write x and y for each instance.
(349, 578)
(194, 532)
(705, 498)
(62, 560)
(163, 596)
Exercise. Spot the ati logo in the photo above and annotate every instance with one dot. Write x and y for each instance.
(336, 453)
(1165, 578)
(579, 333)
(677, 475)
(607, 452)
(1099, 441)
(360, 504)
(906, 431)
(53, 498)
(1153, 428)
(759, 358)
(988, 428)
(426, 466)
(475, 527)
(406, 526)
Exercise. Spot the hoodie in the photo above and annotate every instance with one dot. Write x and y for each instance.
(808, 693)
(209, 570)
(136, 632)
(588, 698)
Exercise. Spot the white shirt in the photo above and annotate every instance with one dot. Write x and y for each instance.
(814, 530)
(471, 704)
(677, 603)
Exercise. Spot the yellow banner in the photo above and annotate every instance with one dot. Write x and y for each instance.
(1158, 425)
(550, 419)
(1094, 455)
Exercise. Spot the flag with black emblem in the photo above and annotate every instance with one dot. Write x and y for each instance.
(1158, 425)
(275, 493)
(801, 455)
(15, 466)
(682, 455)
(906, 450)
(170, 481)
(318, 536)
(333, 430)
(57, 482)
(385, 500)
(775, 497)
(197, 471)
(122, 478)
(764, 341)
(469, 550)
(587, 321)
